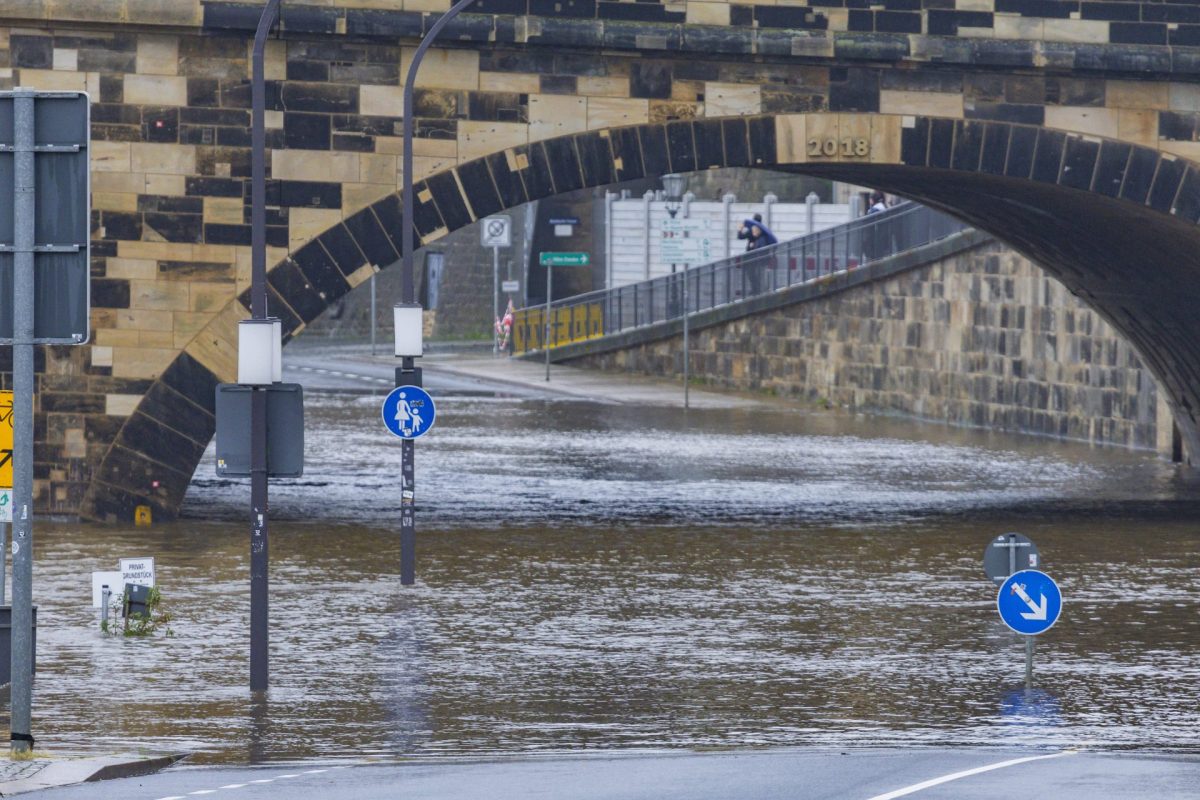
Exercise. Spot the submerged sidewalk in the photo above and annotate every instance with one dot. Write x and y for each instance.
(49, 772)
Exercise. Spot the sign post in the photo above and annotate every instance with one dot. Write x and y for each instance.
(551, 260)
(46, 242)
(496, 232)
(1026, 615)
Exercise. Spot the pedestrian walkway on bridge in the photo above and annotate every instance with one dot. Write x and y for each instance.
(807, 259)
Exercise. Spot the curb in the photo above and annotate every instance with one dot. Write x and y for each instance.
(67, 772)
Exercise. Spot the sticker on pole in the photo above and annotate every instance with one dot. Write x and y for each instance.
(408, 412)
(1029, 602)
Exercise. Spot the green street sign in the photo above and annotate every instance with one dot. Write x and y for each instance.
(564, 259)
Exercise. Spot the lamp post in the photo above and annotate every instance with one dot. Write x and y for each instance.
(408, 313)
(259, 344)
(674, 186)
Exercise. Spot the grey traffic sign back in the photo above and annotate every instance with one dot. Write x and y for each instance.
(61, 221)
(285, 430)
(1009, 553)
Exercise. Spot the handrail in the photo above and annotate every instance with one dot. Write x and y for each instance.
(734, 279)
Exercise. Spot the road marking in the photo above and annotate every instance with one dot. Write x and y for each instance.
(264, 780)
(916, 787)
(291, 775)
(203, 791)
(315, 771)
(173, 797)
(233, 786)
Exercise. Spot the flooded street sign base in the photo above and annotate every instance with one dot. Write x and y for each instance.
(408, 375)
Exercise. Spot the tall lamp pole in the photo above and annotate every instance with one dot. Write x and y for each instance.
(407, 314)
(259, 343)
(674, 185)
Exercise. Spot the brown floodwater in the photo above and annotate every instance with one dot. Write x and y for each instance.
(608, 577)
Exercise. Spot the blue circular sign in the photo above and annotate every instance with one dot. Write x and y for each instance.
(1029, 602)
(408, 412)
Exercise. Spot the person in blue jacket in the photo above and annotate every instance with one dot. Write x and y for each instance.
(758, 236)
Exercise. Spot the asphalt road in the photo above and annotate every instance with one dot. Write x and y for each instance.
(765, 775)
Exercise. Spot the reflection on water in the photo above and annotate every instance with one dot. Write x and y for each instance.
(609, 577)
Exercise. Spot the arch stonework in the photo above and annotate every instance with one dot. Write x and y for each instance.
(1071, 138)
(1064, 198)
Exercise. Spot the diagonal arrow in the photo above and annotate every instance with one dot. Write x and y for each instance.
(1035, 612)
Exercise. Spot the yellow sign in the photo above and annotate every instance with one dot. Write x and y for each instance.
(6, 439)
(142, 516)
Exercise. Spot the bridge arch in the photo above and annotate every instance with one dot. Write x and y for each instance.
(1114, 221)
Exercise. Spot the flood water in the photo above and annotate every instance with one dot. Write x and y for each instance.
(609, 577)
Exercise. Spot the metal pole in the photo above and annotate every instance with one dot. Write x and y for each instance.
(1028, 662)
(259, 551)
(495, 300)
(23, 380)
(3, 557)
(408, 534)
(408, 375)
(373, 314)
(546, 337)
(685, 335)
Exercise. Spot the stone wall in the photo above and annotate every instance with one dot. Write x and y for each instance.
(981, 338)
(1047, 107)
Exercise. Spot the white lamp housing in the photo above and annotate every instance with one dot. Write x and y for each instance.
(410, 330)
(260, 346)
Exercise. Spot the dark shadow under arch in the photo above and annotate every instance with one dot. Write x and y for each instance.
(1114, 221)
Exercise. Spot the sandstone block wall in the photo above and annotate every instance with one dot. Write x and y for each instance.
(983, 338)
(122, 421)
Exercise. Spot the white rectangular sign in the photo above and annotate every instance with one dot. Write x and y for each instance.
(101, 579)
(685, 225)
(687, 251)
(510, 287)
(5, 505)
(139, 571)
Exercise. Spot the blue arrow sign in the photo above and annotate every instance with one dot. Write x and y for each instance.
(1029, 602)
(408, 412)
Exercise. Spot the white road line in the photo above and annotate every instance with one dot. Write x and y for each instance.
(916, 787)
(291, 775)
(233, 786)
(264, 780)
(203, 791)
(315, 771)
(173, 797)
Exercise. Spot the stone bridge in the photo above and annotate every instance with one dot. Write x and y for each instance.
(1067, 128)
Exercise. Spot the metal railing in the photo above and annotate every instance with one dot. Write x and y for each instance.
(731, 280)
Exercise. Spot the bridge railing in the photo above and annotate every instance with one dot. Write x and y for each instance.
(731, 280)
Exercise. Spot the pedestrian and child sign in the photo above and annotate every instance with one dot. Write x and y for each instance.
(408, 412)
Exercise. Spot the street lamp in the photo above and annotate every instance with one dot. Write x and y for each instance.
(408, 313)
(674, 186)
(259, 343)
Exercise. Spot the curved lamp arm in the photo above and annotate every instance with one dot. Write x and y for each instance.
(406, 269)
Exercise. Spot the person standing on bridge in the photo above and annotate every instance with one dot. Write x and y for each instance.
(759, 236)
(743, 232)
